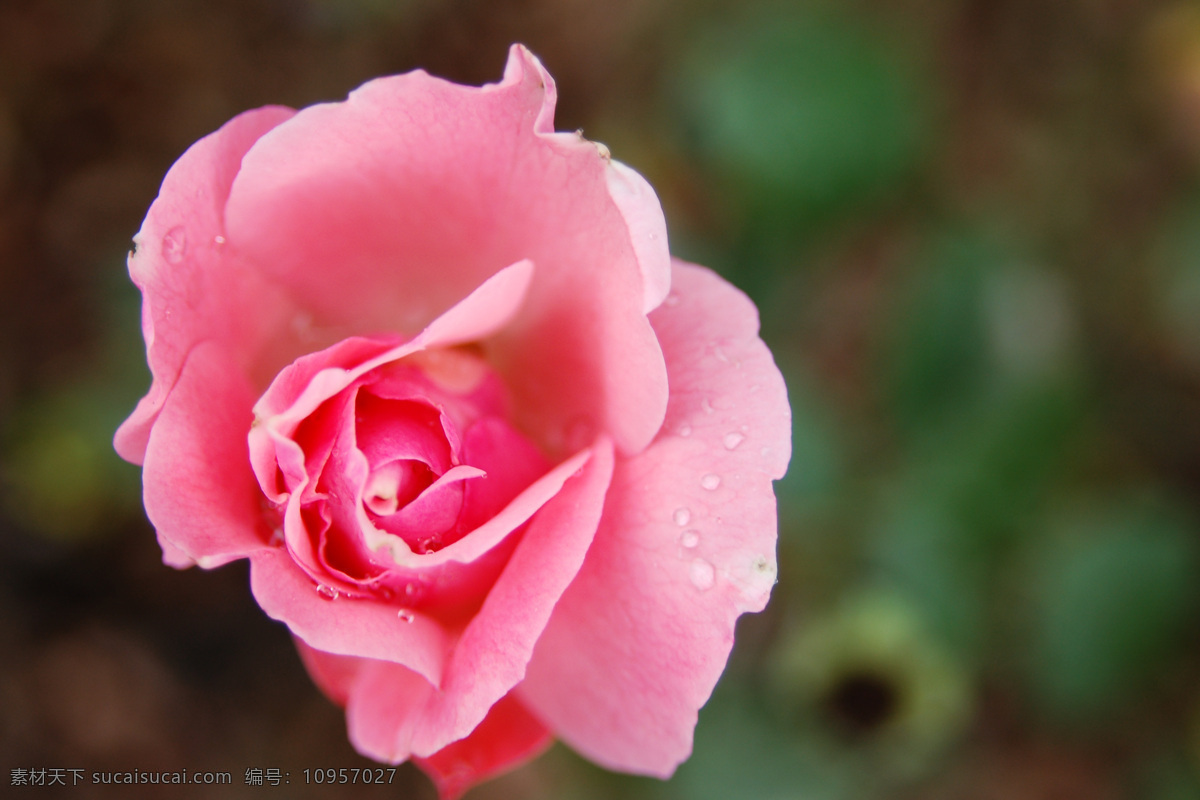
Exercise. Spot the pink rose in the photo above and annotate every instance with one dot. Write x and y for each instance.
(500, 464)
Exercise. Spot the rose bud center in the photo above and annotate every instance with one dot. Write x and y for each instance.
(388, 465)
(414, 488)
(396, 484)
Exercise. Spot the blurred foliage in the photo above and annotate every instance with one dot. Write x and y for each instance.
(973, 233)
(1113, 594)
(800, 110)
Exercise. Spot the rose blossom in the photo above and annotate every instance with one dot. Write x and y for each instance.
(501, 465)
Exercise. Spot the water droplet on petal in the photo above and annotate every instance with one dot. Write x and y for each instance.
(387, 594)
(732, 440)
(684, 430)
(710, 481)
(174, 244)
(672, 300)
(706, 406)
(219, 240)
(326, 592)
(413, 589)
(689, 538)
(682, 516)
(702, 574)
(405, 615)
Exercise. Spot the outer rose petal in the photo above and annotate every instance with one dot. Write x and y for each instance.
(181, 267)
(508, 735)
(686, 545)
(506, 738)
(334, 675)
(345, 625)
(419, 189)
(647, 229)
(199, 491)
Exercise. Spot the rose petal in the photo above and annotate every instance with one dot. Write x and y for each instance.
(434, 512)
(192, 289)
(172, 555)
(391, 430)
(508, 736)
(638, 204)
(313, 379)
(274, 448)
(392, 717)
(199, 492)
(511, 462)
(686, 545)
(487, 535)
(362, 184)
(370, 628)
(386, 703)
(458, 382)
(345, 625)
(333, 675)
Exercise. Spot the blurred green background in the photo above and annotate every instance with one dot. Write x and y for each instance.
(973, 231)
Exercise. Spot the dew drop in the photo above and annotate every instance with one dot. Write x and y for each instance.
(219, 240)
(387, 594)
(412, 590)
(702, 574)
(429, 544)
(672, 300)
(706, 406)
(689, 538)
(174, 244)
(684, 430)
(732, 440)
(326, 592)
(710, 481)
(405, 615)
(682, 516)
(277, 537)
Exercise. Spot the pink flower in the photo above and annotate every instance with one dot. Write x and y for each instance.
(500, 464)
